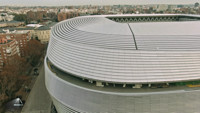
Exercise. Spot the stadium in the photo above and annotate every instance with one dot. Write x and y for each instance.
(146, 63)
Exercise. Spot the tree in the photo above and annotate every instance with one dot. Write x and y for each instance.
(14, 74)
(196, 4)
(12, 77)
(8, 80)
(34, 51)
(20, 17)
(20, 63)
(36, 38)
(38, 21)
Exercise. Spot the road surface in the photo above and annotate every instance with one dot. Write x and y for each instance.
(38, 100)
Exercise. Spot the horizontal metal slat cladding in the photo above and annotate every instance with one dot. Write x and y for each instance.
(97, 48)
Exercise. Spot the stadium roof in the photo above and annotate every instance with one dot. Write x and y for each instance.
(98, 48)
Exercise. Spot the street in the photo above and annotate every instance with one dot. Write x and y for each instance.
(38, 100)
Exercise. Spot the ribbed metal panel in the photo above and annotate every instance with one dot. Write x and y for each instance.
(101, 56)
(61, 108)
(68, 31)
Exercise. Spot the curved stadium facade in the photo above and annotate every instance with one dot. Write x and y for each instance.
(125, 63)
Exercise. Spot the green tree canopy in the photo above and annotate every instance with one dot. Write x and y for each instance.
(20, 17)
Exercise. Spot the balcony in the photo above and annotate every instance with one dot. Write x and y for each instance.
(8, 50)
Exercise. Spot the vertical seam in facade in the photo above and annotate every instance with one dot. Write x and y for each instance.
(133, 37)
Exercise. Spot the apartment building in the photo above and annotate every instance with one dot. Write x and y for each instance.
(21, 37)
(8, 48)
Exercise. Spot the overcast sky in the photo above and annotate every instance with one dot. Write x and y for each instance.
(92, 2)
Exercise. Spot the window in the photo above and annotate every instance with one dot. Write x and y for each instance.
(7, 37)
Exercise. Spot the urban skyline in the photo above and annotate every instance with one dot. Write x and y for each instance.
(90, 2)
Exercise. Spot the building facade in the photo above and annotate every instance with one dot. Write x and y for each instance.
(22, 38)
(36, 16)
(42, 34)
(125, 64)
(11, 24)
(8, 49)
(63, 16)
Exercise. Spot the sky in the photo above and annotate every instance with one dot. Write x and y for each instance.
(92, 2)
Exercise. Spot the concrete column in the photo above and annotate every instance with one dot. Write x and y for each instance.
(149, 85)
(124, 85)
(99, 84)
(137, 86)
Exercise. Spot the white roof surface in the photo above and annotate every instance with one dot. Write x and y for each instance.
(167, 36)
(34, 25)
(109, 27)
(166, 28)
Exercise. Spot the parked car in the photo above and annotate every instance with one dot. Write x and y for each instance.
(36, 71)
